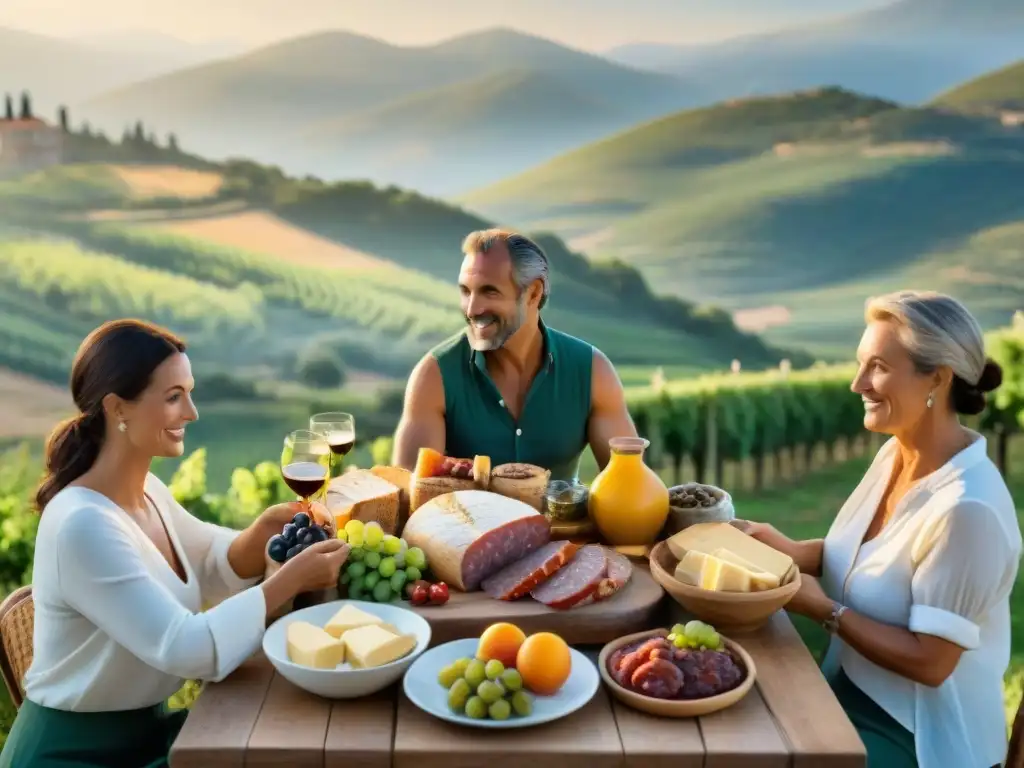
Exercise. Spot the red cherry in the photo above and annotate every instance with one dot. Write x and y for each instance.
(439, 593)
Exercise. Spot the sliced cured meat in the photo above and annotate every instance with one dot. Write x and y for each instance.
(619, 572)
(575, 580)
(515, 580)
(470, 535)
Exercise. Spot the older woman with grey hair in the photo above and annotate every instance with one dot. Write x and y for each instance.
(917, 568)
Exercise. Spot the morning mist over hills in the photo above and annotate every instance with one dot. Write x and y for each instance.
(471, 108)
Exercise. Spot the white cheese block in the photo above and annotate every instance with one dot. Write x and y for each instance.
(689, 569)
(469, 535)
(373, 646)
(759, 580)
(720, 576)
(365, 496)
(707, 537)
(350, 617)
(311, 646)
(722, 571)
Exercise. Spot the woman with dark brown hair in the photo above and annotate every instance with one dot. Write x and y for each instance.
(121, 570)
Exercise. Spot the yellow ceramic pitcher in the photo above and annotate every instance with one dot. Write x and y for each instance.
(628, 501)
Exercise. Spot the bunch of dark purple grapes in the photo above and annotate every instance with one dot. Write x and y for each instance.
(296, 536)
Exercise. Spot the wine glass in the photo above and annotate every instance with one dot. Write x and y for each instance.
(338, 429)
(305, 463)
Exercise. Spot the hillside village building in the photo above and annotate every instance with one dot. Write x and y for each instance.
(27, 143)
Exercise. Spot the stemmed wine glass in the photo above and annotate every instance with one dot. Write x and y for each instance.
(305, 463)
(338, 429)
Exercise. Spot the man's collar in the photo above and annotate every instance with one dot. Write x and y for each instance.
(479, 359)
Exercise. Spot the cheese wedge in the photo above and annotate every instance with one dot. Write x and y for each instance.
(720, 576)
(350, 617)
(374, 646)
(689, 569)
(759, 580)
(365, 496)
(708, 537)
(311, 646)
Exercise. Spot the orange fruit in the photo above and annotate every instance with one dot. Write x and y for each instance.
(501, 641)
(544, 662)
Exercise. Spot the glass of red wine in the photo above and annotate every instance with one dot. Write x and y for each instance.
(338, 429)
(305, 463)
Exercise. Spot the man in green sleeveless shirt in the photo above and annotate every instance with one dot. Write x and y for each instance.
(510, 387)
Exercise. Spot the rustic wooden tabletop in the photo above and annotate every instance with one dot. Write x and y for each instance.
(256, 718)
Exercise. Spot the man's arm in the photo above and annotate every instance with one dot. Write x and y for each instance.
(422, 422)
(609, 416)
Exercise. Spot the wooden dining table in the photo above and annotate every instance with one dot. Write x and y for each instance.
(789, 719)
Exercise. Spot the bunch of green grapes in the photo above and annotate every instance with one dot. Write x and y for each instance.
(379, 564)
(480, 690)
(697, 635)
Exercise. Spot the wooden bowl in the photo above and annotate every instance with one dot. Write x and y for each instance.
(733, 612)
(675, 707)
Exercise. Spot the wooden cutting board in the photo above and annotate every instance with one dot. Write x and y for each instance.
(638, 606)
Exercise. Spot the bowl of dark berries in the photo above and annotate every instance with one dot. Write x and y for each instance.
(306, 528)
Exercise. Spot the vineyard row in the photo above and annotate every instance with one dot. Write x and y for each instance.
(756, 416)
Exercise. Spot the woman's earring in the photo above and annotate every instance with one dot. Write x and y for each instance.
(931, 399)
(122, 427)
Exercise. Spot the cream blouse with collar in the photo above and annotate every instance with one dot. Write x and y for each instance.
(944, 565)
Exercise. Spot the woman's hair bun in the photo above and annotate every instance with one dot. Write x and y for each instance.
(991, 376)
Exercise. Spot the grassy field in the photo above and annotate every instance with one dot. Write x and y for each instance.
(261, 273)
(1004, 88)
(806, 203)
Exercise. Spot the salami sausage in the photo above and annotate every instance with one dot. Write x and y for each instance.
(619, 572)
(517, 579)
(658, 678)
(574, 581)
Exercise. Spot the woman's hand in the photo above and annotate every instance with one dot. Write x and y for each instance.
(274, 518)
(316, 567)
(246, 553)
(806, 554)
(810, 600)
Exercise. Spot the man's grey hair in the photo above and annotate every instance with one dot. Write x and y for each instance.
(529, 262)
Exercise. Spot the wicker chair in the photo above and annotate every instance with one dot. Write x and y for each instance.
(17, 615)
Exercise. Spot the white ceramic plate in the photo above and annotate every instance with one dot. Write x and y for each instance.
(344, 682)
(423, 689)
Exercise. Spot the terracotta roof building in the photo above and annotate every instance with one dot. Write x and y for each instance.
(27, 143)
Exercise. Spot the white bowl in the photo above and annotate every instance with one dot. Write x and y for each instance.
(344, 682)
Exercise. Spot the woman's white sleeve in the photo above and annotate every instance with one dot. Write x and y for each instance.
(103, 577)
(964, 563)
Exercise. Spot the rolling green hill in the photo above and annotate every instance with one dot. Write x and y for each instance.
(262, 104)
(1002, 89)
(280, 282)
(793, 209)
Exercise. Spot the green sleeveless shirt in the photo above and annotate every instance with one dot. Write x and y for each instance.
(551, 431)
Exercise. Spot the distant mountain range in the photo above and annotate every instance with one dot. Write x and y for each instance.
(792, 209)
(61, 71)
(437, 117)
(466, 112)
(909, 51)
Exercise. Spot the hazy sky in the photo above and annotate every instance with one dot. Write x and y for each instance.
(591, 24)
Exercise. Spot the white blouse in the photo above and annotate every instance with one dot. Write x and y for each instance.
(115, 626)
(944, 565)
